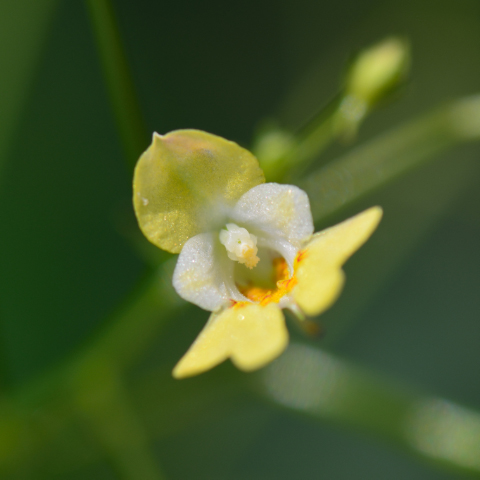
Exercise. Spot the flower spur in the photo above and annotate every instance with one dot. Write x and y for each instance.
(247, 248)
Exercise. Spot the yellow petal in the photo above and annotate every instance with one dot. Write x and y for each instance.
(318, 271)
(249, 334)
(184, 180)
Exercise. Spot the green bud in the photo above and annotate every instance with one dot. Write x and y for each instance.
(378, 70)
(273, 145)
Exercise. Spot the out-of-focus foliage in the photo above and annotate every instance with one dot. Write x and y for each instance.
(19, 56)
(85, 364)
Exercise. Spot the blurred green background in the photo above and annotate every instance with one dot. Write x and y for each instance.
(71, 252)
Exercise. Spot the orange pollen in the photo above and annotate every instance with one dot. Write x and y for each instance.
(300, 256)
(238, 305)
(284, 284)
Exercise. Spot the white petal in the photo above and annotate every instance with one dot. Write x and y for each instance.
(279, 215)
(204, 274)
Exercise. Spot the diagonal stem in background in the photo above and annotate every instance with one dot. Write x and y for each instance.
(119, 81)
(432, 428)
(371, 166)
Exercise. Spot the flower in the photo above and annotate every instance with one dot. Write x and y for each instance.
(247, 248)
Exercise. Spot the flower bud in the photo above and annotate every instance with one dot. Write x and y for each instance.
(377, 70)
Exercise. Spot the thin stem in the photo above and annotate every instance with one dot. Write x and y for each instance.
(309, 381)
(119, 80)
(339, 119)
(418, 216)
(305, 145)
(371, 166)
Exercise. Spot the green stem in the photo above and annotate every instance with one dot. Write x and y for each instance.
(329, 124)
(371, 166)
(309, 147)
(412, 220)
(314, 383)
(303, 147)
(119, 80)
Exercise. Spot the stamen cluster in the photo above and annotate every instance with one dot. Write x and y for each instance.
(240, 244)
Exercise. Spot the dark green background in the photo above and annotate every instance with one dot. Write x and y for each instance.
(67, 225)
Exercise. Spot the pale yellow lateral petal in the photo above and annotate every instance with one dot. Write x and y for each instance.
(249, 334)
(184, 180)
(319, 274)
